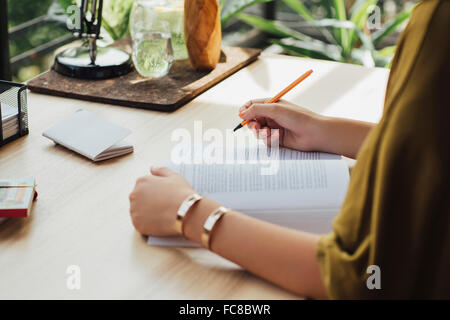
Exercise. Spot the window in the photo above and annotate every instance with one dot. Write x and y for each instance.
(37, 28)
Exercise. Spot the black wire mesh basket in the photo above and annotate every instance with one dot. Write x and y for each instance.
(13, 111)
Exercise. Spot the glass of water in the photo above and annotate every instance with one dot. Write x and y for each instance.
(152, 48)
(173, 12)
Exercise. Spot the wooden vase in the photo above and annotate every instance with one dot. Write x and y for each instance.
(203, 33)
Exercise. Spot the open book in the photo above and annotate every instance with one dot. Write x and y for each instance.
(305, 192)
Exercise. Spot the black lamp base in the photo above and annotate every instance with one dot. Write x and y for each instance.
(109, 63)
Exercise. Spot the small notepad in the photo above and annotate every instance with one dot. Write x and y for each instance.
(90, 136)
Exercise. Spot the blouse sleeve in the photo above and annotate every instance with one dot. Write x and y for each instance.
(396, 215)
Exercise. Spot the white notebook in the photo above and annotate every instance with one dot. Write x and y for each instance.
(303, 194)
(90, 136)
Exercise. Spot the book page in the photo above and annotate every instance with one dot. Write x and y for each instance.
(249, 152)
(261, 151)
(290, 154)
(304, 191)
(8, 112)
(118, 149)
(294, 186)
(10, 122)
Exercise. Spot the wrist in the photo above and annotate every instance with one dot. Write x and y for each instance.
(342, 136)
(193, 223)
(320, 136)
(185, 208)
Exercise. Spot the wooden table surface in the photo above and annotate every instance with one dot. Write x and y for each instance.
(81, 216)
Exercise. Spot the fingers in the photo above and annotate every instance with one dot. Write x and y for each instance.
(274, 140)
(253, 101)
(265, 132)
(259, 110)
(255, 125)
(249, 103)
(270, 137)
(161, 171)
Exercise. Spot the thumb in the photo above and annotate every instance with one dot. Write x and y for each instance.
(161, 171)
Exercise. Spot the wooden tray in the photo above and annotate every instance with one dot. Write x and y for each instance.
(169, 93)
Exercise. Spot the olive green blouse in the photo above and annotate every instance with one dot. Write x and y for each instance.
(396, 214)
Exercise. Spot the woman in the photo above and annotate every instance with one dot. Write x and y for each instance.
(396, 214)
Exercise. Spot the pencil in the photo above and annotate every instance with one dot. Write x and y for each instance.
(279, 95)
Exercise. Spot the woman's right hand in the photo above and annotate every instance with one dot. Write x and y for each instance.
(298, 128)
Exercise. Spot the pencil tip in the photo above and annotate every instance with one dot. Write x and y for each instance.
(238, 127)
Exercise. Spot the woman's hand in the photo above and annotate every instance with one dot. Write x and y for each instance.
(304, 130)
(299, 128)
(155, 200)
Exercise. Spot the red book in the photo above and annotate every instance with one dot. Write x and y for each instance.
(16, 197)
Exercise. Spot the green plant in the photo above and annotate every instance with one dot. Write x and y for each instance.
(116, 15)
(345, 31)
(115, 18)
(230, 8)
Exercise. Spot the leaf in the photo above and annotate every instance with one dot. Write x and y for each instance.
(316, 50)
(233, 7)
(115, 15)
(341, 34)
(383, 62)
(115, 18)
(298, 7)
(273, 27)
(66, 3)
(383, 57)
(339, 6)
(57, 11)
(363, 56)
(326, 4)
(359, 15)
(221, 4)
(342, 25)
(367, 45)
(110, 29)
(391, 26)
(387, 51)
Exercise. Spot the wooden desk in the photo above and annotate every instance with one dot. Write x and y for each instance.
(81, 217)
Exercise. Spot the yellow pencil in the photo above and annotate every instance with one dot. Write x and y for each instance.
(279, 95)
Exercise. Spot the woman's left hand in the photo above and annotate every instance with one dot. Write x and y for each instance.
(155, 200)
